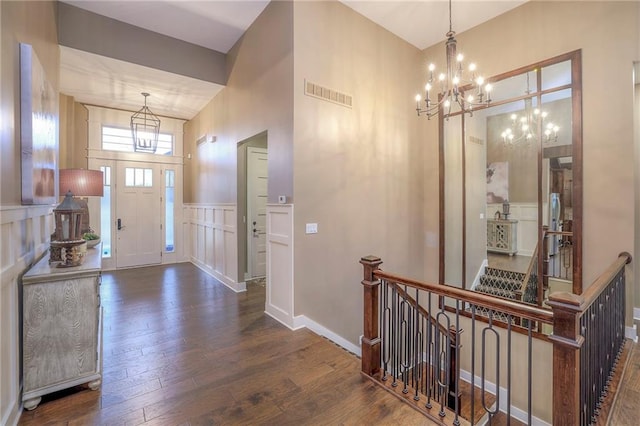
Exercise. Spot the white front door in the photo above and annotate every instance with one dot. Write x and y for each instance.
(257, 210)
(138, 215)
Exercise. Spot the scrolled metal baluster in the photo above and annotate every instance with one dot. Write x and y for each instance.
(417, 369)
(530, 371)
(429, 356)
(456, 385)
(509, 319)
(485, 330)
(473, 363)
(394, 336)
(385, 329)
(405, 322)
(443, 385)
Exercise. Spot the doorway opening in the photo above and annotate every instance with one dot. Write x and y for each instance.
(252, 203)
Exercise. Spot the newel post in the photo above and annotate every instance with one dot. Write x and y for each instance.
(567, 341)
(371, 337)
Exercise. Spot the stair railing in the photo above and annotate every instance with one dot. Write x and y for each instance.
(404, 347)
(588, 338)
(412, 354)
(529, 289)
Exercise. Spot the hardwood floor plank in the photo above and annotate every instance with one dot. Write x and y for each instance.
(181, 348)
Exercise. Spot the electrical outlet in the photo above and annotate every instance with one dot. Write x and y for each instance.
(312, 228)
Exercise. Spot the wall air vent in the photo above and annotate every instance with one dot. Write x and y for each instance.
(476, 140)
(317, 91)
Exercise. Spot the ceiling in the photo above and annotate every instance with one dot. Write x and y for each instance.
(217, 25)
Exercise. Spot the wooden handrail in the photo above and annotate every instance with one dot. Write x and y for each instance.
(584, 300)
(499, 304)
(527, 276)
(561, 233)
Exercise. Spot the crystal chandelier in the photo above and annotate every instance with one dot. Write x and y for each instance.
(466, 89)
(525, 126)
(145, 127)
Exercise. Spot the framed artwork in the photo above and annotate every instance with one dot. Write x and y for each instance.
(38, 130)
(498, 182)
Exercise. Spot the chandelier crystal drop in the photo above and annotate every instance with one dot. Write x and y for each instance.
(456, 86)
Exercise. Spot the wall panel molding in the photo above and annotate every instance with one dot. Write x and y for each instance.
(24, 237)
(279, 297)
(211, 241)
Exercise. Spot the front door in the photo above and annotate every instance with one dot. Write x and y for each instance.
(138, 215)
(257, 210)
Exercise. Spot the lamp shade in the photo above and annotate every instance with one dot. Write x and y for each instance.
(81, 182)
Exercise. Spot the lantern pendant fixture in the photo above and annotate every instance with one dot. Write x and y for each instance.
(145, 128)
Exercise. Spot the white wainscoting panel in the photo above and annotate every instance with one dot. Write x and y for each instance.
(24, 236)
(279, 297)
(212, 241)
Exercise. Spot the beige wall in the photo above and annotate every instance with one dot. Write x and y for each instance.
(22, 22)
(358, 172)
(74, 133)
(258, 97)
(24, 231)
(607, 33)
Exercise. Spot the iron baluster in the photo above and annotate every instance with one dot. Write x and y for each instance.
(417, 346)
(509, 319)
(473, 363)
(485, 330)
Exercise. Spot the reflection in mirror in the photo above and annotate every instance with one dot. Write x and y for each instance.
(453, 202)
(512, 196)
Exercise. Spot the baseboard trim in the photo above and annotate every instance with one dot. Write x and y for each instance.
(279, 315)
(237, 287)
(481, 270)
(304, 321)
(631, 333)
(12, 416)
(516, 412)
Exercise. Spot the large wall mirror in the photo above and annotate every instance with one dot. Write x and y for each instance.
(511, 181)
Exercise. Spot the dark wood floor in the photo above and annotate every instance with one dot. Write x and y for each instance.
(180, 348)
(626, 407)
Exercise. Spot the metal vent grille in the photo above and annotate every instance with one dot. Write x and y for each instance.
(320, 92)
(476, 140)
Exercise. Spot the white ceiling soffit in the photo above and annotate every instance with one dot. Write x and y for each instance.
(213, 24)
(424, 23)
(98, 80)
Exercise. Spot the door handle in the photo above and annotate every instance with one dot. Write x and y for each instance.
(120, 227)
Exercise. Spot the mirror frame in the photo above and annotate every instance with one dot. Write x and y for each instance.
(575, 57)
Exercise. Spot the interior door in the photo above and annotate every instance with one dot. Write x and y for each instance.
(138, 215)
(257, 210)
